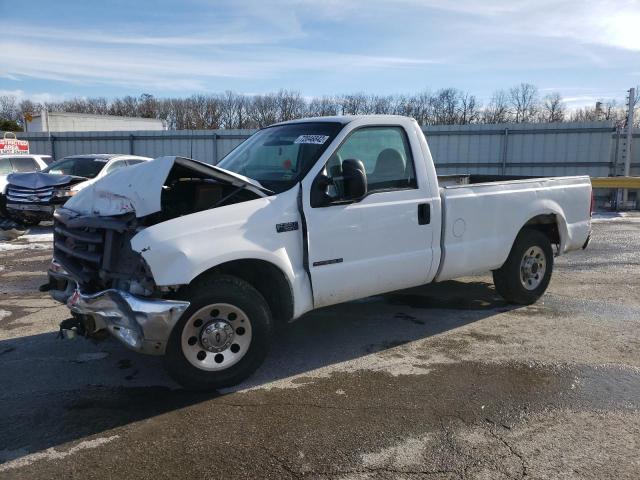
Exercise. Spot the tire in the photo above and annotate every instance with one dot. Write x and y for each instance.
(3, 209)
(525, 275)
(222, 338)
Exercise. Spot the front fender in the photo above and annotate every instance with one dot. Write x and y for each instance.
(181, 249)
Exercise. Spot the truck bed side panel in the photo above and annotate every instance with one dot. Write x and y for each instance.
(481, 221)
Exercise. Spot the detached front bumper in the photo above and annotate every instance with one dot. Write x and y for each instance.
(141, 324)
(31, 211)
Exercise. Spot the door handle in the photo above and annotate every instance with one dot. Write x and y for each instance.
(424, 214)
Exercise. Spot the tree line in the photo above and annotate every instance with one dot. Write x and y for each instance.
(521, 103)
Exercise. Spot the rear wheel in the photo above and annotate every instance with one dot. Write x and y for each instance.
(525, 275)
(222, 338)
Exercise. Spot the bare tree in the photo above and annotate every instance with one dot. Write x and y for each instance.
(323, 106)
(232, 110)
(553, 108)
(264, 110)
(9, 109)
(497, 110)
(147, 106)
(446, 104)
(353, 104)
(469, 110)
(524, 102)
(290, 105)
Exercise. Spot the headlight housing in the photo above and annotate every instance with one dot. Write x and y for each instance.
(64, 193)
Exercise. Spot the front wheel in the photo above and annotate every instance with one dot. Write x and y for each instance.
(222, 338)
(525, 275)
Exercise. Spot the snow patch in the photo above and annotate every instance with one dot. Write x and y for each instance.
(6, 247)
(37, 237)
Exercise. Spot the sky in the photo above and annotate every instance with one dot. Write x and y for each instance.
(52, 50)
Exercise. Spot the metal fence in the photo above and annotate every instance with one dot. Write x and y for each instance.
(592, 148)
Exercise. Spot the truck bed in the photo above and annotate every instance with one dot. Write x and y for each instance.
(481, 220)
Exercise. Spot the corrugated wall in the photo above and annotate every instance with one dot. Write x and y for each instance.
(523, 149)
(509, 149)
(207, 145)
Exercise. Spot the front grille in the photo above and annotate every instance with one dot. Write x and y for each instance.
(95, 250)
(29, 195)
(79, 249)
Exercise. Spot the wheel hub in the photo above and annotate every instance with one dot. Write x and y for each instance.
(532, 268)
(217, 336)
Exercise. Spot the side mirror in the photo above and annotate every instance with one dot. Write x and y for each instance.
(355, 179)
(350, 186)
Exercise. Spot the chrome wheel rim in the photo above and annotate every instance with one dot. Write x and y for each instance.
(216, 337)
(532, 268)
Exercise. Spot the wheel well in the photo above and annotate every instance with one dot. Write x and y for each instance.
(265, 277)
(547, 224)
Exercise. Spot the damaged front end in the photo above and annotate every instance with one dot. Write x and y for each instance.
(107, 285)
(34, 196)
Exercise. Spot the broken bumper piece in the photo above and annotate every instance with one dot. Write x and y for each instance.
(141, 324)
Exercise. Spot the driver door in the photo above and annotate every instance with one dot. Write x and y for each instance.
(378, 243)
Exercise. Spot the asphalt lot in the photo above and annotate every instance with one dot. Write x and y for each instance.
(443, 381)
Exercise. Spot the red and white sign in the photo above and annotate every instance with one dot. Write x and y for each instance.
(13, 145)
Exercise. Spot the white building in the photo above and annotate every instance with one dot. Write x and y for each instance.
(85, 122)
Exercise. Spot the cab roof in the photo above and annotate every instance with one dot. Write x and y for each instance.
(345, 119)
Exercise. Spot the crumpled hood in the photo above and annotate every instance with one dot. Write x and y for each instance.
(39, 180)
(138, 188)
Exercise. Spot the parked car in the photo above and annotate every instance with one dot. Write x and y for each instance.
(33, 197)
(199, 263)
(13, 163)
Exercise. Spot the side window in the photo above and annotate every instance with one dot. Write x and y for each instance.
(63, 167)
(131, 162)
(116, 165)
(5, 166)
(385, 153)
(24, 164)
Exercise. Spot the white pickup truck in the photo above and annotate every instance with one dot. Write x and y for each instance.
(199, 263)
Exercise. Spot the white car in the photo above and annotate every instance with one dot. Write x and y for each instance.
(33, 197)
(18, 163)
(199, 263)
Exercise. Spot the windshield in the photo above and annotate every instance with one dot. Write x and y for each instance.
(280, 156)
(87, 167)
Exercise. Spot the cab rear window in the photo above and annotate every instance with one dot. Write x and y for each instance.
(22, 164)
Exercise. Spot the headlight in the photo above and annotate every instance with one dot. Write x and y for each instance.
(64, 193)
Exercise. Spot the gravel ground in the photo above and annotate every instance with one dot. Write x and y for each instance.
(443, 381)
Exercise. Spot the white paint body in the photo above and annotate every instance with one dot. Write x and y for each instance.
(37, 158)
(380, 243)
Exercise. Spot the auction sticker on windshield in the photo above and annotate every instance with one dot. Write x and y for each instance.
(313, 139)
